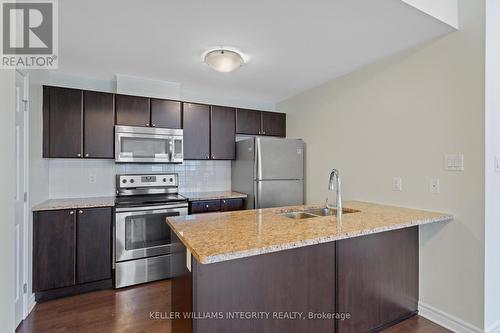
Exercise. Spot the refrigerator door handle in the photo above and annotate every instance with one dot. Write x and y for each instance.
(258, 158)
(258, 194)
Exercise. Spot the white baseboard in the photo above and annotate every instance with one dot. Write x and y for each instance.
(446, 320)
(494, 328)
(31, 303)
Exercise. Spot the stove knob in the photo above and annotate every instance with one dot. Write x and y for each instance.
(171, 180)
(164, 180)
(131, 180)
(124, 181)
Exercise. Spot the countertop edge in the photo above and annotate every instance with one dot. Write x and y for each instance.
(213, 195)
(288, 246)
(73, 203)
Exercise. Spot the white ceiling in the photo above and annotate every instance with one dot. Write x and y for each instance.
(293, 45)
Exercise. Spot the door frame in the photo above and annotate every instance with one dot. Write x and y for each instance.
(27, 306)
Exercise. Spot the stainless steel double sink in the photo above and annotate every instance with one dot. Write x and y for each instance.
(316, 212)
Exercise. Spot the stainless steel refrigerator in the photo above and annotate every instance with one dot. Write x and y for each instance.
(270, 171)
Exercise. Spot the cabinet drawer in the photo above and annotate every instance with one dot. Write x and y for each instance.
(228, 205)
(205, 206)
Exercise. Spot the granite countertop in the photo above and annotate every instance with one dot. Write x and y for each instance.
(219, 237)
(213, 195)
(75, 203)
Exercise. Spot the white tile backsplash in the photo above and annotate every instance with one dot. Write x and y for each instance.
(69, 178)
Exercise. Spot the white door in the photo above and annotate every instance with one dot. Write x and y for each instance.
(20, 210)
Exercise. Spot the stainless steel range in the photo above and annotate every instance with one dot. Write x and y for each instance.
(142, 236)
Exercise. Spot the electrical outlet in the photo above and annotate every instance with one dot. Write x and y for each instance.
(397, 184)
(435, 186)
(454, 162)
(92, 178)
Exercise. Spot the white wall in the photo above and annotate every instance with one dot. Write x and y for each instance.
(492, 225)
(399, 117)
(7, 144)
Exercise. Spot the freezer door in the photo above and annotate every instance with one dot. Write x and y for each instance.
(278, 193)
(279, 158)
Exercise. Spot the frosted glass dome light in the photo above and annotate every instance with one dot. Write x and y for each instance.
(224, 61)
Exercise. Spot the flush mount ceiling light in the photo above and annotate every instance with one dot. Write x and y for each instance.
(223, 60)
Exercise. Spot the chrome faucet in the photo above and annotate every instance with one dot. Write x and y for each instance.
(335, 185)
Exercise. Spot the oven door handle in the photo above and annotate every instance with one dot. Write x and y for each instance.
(149, 211)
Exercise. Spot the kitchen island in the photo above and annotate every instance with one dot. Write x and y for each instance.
(263, 271)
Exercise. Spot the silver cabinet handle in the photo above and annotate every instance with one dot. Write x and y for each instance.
(259, 132)
(213, 156)
(223, 201)
(78, 155)
(86, 155)
(71, 212)
(80, 211)
(264, 133)
(154, 125)
(206, 206)
(208, 157)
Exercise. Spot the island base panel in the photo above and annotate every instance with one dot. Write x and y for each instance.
(377, 279)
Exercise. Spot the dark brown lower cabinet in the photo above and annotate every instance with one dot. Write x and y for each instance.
(227, 205)
(361, 284)
(54, 239)
(71, 252)
(93, 255)
(218, 205)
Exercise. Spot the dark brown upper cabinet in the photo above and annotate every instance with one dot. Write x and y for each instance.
(166, 113)
(248, 122)
(222, 133)
(132, 110)
(252, 122)
(62, 116)
(77, 124)
(273, 124)
(99, 123)
(196, 123)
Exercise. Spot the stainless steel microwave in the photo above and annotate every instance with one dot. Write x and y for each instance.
(148, 145)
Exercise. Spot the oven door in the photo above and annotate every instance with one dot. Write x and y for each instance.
(142, 232)
(146, 148)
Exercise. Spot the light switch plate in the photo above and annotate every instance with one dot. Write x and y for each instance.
(397, 184)
(454, 162)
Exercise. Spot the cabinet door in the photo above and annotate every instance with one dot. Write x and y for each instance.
(196, 123)
(222, 133)
(99, 121)
(93, 260)
(63, 117)
(274, 124)
(205, 206)
(132, 110)
(228, 205)
(53, 249)
(165, 113)
(247, 122)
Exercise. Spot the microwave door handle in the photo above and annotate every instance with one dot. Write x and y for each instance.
(170, 148)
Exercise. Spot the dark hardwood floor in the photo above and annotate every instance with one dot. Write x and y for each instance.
(128, 310)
